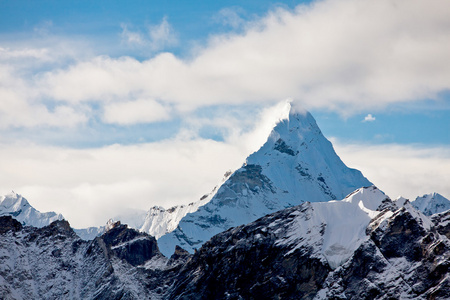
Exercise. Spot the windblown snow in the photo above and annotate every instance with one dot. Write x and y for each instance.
(296, 164)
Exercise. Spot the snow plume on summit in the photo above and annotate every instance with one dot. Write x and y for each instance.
(296, 164)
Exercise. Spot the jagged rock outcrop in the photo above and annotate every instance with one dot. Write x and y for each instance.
(286, 255)
(52, 262)
(362, 247)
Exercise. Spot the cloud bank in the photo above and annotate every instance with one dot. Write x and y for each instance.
(400, 170)
(345, 55)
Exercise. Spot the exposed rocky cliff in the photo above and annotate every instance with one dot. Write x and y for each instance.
(52, 262)
(362, 247)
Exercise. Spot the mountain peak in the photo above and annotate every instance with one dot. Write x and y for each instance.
(18, 207)
(296, 164)
(431, 204)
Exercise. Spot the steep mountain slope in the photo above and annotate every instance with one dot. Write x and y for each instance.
(316, 251)
(160, 221)
(53, 263)
(431, 204)
(296, 164)
(363, 247)
(18, 207)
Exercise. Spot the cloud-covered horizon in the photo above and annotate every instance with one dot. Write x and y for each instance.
(345, 56)
(89, 186)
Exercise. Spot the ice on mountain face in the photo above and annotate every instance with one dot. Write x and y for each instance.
(158, 221)
(430, 204)
(335, 228)
(18, 207)
(363, 247)
(296, 164)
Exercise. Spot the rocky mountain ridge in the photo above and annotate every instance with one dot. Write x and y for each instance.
(384, 251)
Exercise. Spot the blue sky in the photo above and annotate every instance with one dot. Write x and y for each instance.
(79, 78)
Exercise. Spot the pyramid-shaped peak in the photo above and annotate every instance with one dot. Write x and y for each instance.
(296, 164)
(298, 124)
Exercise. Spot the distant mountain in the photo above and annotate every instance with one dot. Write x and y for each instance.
(362, 247)
(431, 204)
(18, 207)
(296, 164)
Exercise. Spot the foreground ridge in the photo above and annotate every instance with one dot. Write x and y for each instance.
(386, 250)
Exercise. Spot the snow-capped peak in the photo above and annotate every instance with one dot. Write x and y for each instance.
(18, 207)
(296, 164)
(431, 204)
(367, 198)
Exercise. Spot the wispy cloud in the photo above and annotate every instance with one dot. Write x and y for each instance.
(131, 37)
(155, 38)
(162, 36)
(230, 16)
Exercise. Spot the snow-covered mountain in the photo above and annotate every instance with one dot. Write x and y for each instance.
(362, 247)
(296, 164)
(158, 221)
(431, 204)
(18, 207)
(54, 263)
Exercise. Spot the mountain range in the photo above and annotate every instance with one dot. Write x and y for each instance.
(272, 229)
(365, 246)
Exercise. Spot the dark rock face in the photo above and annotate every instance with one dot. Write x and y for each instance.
(442, 223)
(8, 223)
(405, 256)
(246, 263)
(400, 260)
(54, 263)
(128, 244)
(180, 256)
(281, 146)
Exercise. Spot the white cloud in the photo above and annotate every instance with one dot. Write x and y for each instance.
(133, 112)
(400, 170)
(369, 118)
(89, 186)
(332, 54)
